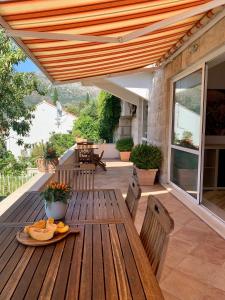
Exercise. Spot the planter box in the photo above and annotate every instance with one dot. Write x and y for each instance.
(125, 155)
(44, 165)
(146, 177)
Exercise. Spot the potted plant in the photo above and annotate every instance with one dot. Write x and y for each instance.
(147, 160)
(56, 197)
(47, 158)
(124, 146)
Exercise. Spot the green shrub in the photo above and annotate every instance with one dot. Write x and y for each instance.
(125, 144)
(109, 107)
(146, 156)
(41, 150)
(62, 142)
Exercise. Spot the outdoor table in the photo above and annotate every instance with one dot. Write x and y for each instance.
(84, 147)
(106, 260)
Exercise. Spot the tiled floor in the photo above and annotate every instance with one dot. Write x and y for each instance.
(195, 263)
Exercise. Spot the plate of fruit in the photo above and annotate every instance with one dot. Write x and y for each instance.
(44, 232)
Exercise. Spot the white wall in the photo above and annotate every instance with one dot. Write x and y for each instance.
(139, 83)
(44, 123)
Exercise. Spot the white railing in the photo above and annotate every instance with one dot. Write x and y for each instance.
(10, 183)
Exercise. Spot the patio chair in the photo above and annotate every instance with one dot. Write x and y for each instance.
(85, 155)
(84, 177)
(97, 160)
(79, 178)
(156, 227)
(133, 196)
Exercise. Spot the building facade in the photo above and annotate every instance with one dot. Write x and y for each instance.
(47, 119)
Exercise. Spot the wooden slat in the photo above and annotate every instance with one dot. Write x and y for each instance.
(135, 285)
(15, 206)
(98, 276)
(75, 269)
(26, 278)
(16, 275)
(10, 265)
(120, 270)
(50, 278)
(63, 271)
(39, 276)
(17, 209)
(109, 272)
(87, 267)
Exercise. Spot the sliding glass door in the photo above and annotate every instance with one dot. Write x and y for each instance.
(186, 133)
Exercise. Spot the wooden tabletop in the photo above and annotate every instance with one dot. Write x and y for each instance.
(105, 260)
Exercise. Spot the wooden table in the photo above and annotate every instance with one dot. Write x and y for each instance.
(87, 147)
(105, 260)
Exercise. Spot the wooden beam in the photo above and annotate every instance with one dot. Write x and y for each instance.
(172, 20)
(61, 36)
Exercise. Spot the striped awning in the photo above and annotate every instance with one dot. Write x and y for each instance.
(76, 39)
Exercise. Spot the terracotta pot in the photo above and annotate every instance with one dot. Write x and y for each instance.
(125, 155)
(52, 165)
(146, 177)
(42, 165)
(45, 165)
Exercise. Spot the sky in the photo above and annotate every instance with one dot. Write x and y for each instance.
(27, 66)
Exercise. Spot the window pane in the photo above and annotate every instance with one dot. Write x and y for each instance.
(184, 171)
(186, 114)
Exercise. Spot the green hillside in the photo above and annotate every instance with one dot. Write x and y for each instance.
(72, 93)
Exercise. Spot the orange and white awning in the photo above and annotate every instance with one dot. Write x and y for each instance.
(72, 40)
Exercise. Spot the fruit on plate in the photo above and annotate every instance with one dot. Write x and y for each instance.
(41, 234)
(62, 228)
(39, 224)
(44, 230)
(51, 225)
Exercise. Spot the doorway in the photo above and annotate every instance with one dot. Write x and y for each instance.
(213, 185)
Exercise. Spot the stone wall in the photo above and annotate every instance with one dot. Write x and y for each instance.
(159, 106)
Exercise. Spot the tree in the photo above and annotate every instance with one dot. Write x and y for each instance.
(109, 114)
(14, 86)
(55, 96)
(10, 166)
(61, 142)
(86, 125)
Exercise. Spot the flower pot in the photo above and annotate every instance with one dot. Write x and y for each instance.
(146, 177)
(52, 164)
(42, 165)
(47, 165)
(56, 210)
(125, 155)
